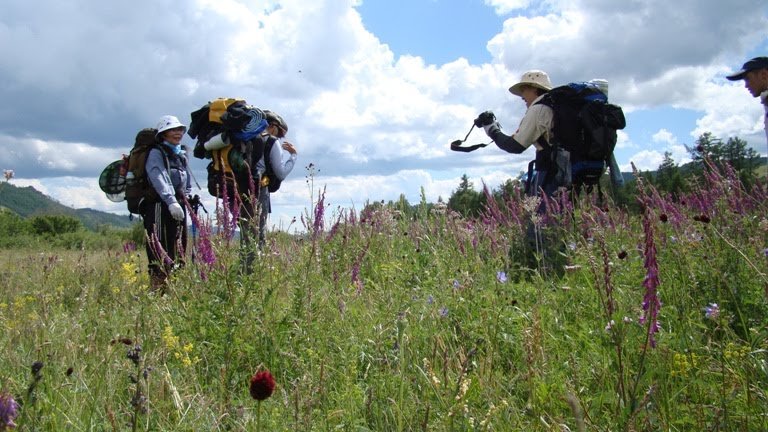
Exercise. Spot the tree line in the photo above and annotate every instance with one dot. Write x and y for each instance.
(669, 178)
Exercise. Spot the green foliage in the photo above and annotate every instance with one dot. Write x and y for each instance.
(28, 202)
(406, 323)
(733, 152)
(54, 225)
(669, 178)
(465, 200)
(407, 318)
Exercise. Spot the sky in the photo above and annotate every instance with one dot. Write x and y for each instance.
(373, 91)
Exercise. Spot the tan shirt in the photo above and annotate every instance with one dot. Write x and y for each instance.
(537, 122)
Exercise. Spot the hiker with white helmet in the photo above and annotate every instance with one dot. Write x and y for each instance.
(165, 217)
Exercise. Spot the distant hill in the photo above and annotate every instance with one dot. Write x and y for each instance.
(29, 202)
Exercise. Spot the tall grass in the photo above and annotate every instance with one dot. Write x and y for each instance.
(389, 323)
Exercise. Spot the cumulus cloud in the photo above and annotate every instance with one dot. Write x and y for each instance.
(84, 77)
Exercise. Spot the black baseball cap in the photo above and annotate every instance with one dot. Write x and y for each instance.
(754, 64)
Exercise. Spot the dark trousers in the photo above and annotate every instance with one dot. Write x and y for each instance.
(248, 223)
(265, 205)
(166, 240)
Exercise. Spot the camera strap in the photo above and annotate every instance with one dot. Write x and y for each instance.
(457, 145)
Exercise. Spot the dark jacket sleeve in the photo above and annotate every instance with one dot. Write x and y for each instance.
(505, 142)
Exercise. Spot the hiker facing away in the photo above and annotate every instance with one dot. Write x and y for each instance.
(755, 76)
(274, 167)
(164, 219)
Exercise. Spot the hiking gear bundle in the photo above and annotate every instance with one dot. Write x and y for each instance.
(231, 116)
(239, 126)
(584, 131)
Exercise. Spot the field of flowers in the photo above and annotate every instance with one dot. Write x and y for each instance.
(381, 321)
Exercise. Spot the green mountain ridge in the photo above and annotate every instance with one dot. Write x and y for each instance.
(29, 202)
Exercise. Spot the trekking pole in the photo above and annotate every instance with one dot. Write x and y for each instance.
(195, 180)
(195, 205)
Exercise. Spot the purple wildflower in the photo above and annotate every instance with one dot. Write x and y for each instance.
(456, 284)
(651, 303)
(203, 246)
(501, 277)
(443, 311)
(712, 311)
(765, 252)
(129, 246)
(9, 410)
(159, 251)
(318, 225)
(609, 326)
(430, 299)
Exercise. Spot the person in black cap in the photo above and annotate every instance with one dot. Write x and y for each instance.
(755, 76)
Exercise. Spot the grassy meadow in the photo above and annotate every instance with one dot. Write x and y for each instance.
(380, 321)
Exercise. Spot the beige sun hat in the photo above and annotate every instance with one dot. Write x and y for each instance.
(534, 78)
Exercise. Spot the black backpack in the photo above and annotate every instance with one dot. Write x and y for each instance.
(585, 125)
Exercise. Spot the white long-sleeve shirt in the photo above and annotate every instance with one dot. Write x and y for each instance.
(282, 165)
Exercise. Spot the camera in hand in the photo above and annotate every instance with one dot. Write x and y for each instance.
(485, 118)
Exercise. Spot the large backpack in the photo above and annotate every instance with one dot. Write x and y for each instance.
(137, 185)
(585, 125)
(208, 121)
(221, 174)
(240, 123)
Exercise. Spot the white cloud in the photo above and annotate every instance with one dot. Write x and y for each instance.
(504, 7)
(84, 77)
(664, 136)
(644, 161)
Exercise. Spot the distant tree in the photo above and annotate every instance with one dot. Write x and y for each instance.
(734, 152)
(668, 176)
(465, 200)
(12, 224)
(404, 207)
(55, 224)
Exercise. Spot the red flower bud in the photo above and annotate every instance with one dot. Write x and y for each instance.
(262, 385)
